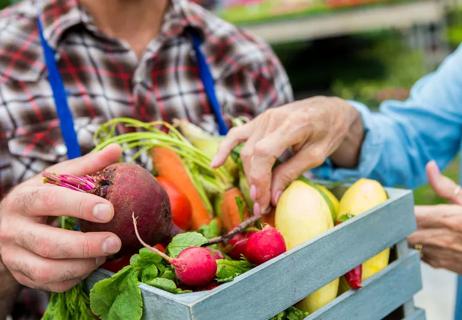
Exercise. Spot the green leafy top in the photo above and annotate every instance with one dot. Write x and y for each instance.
(227, 270)
(210, 230)
(292, 313)
(183, 241)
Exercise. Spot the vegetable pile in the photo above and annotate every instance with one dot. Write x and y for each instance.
(187, 227)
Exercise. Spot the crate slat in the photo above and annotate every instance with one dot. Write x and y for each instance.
(418, 314)
(381, 294)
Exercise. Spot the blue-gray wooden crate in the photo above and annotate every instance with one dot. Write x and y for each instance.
(277, 284)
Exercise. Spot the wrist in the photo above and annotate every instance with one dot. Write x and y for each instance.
(347, 154)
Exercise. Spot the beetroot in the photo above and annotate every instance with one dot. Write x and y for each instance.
(131, 189)
(195, 266)
(264, 245)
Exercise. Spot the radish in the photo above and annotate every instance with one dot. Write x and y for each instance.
(264, 245)
(131, 189)
(194, 266)
(237, 245)
(216, 254)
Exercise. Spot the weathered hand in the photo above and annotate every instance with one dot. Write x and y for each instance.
(440, 226)
(42, 256)
(313, 129)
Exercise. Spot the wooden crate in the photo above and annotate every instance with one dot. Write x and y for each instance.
(277, 284)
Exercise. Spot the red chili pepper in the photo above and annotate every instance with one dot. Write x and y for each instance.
(353, 277)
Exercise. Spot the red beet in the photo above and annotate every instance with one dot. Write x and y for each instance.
(195, 266)
(237, 245)
(131, 189)
(264, 245)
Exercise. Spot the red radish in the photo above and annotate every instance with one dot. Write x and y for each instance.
(237, 245)
(131, 189)
(179, 204)
(216, 254)
(264, 245)
(194, 266)
(353, 277)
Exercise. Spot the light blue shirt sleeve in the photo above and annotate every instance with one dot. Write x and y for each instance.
(404, 135)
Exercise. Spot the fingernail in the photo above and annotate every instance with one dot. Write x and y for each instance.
(276, 196)
(256, 209)
(214, 162)
(102, 212)
(111, 245)
(100, 261)
(253, 192)
(436, 166)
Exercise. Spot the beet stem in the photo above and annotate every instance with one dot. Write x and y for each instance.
(240, 228)
(153, 249)
(83, 184)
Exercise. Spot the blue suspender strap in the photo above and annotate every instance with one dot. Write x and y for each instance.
(458, 311)
(66, 121)
(209, 84)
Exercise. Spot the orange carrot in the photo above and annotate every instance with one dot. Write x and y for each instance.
(229, 212)
(168, 164)
(269, 218)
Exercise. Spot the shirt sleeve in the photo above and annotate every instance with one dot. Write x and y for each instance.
(404, 135)
(255, 83)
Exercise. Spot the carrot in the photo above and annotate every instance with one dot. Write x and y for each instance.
(168, 164)
(269, 218)
(229, 212)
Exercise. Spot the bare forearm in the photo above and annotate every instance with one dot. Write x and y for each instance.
(347, 154)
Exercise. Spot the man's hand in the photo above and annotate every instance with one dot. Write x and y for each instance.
(440, 226)
(313, 129)
(41, 256)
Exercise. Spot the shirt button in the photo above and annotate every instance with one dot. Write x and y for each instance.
(61, 149)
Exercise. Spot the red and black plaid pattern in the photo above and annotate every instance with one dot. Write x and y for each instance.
(104, 79)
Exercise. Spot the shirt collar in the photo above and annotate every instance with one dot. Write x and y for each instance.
(58, 16)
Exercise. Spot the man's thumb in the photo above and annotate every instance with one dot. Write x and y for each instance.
(443, 186)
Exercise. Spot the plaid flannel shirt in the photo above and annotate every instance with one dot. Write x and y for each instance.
(104, 79)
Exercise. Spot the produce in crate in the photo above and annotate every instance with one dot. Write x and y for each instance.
(185, 265)
(303, 214)
(363, 195)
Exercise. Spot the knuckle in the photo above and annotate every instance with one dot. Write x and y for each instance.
(86, 248)
(45, 199)
(45, 250)
(317, 156)
(42, 274)
(262, 150)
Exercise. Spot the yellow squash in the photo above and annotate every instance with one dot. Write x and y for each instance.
(332, 200)
(363, 195)
(303, 214)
